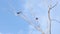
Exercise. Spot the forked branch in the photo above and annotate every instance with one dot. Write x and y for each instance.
(49, 18)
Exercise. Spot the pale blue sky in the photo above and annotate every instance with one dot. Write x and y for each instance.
(12, 24)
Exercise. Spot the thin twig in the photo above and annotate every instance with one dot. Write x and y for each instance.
(55, 20)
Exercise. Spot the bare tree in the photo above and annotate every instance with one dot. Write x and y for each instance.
(20, 14)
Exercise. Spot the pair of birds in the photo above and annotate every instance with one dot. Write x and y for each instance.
(21, 12)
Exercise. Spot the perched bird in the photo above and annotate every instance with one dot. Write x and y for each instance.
(36, 18)
(19, 12)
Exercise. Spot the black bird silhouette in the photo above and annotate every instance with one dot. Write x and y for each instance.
(19, 12)
(36, 18)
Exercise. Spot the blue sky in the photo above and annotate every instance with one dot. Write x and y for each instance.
(12, 24)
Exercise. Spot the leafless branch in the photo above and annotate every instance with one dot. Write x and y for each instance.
(31, 23)
(49, 17)
(53, 6)
(55, 20)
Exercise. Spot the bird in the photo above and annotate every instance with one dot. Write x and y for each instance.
(19, 12)
(36, 18)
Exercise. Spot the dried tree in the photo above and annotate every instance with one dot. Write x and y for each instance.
(20, 13)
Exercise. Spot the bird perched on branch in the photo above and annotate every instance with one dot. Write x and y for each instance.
(36, 18)
(19, 12)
